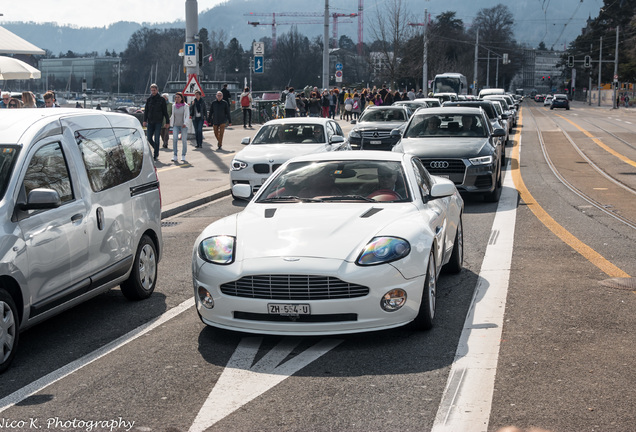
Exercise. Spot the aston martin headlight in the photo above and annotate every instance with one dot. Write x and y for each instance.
(483, 160)
(237, 165)
(218, 249)
(382, 250)
(354, 134)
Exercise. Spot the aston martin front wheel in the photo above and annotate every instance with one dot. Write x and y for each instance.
(426, 314)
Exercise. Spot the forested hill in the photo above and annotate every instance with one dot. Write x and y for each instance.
(555, 23)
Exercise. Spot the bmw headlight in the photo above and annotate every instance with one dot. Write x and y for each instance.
(483, 160)
(218, 249)
(382, 250)
(237, 165)
(354, 134)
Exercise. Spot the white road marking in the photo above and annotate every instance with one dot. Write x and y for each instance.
(467, 398)
(242, 381)
(64, 371)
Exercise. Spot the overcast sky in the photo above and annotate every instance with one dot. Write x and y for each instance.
(97, 13)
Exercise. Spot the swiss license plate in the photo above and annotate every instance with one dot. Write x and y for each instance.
(376, 142)
(287, 309)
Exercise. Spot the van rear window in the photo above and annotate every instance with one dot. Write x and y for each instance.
(110, 157)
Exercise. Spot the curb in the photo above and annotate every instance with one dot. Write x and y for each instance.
(190, 203)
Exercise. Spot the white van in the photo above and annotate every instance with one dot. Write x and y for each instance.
(80, 211)
(491, 91)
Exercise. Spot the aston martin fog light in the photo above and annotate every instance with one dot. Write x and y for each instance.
(393, 300)
(206, 298)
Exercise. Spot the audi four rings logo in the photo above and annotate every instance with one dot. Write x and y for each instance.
(438, 164)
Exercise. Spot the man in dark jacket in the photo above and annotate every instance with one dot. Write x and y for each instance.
(155, 112)
(219, 115)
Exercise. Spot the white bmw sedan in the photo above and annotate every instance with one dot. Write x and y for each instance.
(280, 140)
(332, 243)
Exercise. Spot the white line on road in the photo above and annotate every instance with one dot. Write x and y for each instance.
(64, 371)
(467, 398)
(241, 381)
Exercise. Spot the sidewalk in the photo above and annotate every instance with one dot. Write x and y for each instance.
(204, 176)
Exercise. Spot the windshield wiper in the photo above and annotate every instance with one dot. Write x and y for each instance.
(349, 198)
(291, 198)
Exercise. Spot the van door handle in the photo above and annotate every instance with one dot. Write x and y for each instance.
(100, 218)
(77, 217)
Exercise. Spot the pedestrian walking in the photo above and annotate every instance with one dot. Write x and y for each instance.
(28, 100)
(179, 120)
(333, 102)
(165, 127)
(246, 106)
(154, 113)
(198, 114)
(302, 102)
(626, 101)
(348, 104)
(314, 105)
(357, 106)
(218, 117)
(290, 104)
(341, 99)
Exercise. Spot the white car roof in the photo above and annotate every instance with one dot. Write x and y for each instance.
(375, 155)
(302, 120)
(19, 126)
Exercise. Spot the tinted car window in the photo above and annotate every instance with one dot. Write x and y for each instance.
(8, 155)
(108, 163)
(290, 133)
(376, 115)
(48, 169)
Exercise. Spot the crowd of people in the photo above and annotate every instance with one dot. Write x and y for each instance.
(345, 102)
(27, 100)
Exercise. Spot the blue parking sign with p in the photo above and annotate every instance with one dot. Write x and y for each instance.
(190, 49)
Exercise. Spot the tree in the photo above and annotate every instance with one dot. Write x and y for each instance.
(391, 31)
(296, 60)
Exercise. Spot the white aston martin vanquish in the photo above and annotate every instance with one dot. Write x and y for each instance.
(332, 243)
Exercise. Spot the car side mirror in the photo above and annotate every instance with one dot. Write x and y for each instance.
(245, 141)
(336, 139)
(41, 198)
(396, 134)
(499, 132)
(504, 116)
(442, 188)
(354, 121)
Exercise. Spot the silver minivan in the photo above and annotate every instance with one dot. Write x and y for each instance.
(80, 213)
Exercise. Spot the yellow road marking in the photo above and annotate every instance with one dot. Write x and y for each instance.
(173, 167)
(600, 143)
(587, 252)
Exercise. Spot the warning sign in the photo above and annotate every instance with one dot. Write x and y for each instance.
(192, 86)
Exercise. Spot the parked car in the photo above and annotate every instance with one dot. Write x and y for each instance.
(560, 101)
(460, 144)
(539, 98)
(283, 265)
(373, 130)
(80, 213)
(280, 140)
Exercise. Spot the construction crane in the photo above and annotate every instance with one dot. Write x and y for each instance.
(334, 16)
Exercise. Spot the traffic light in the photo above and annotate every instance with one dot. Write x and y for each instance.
(542, 78)
(570, 61)
(200, 53)
(588, 61)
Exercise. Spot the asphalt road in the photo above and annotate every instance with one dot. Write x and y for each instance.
(564, 361)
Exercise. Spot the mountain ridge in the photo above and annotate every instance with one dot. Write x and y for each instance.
(556, 27)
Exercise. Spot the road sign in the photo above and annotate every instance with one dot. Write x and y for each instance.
(615, 77)
(192, 86)
(338, 76)
(338, 66)
(190, 55)
(258, 64)
(258, 48)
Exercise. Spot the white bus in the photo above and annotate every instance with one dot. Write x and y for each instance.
(450, 83)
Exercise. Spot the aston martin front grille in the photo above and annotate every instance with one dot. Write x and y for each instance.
(293, 287)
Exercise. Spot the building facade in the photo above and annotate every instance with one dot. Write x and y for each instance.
(541, 71)
(66, 74)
